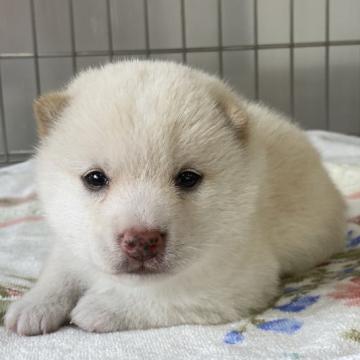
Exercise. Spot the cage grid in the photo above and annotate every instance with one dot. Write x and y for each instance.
(185, 50)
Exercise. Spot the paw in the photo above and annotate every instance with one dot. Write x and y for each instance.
(34, 317)
(93, 314)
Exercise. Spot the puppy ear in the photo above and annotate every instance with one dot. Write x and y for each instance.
(47, 109)
(233, 107)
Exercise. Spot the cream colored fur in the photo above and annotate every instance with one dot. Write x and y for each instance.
(265, 206)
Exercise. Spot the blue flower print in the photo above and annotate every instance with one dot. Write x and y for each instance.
(288, 326)
(233, 337)
(298, 304)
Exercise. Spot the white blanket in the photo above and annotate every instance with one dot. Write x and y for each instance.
(317, 316)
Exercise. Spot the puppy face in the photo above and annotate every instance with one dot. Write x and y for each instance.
(144, 158)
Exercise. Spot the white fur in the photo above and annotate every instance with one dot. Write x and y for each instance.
(265, 206)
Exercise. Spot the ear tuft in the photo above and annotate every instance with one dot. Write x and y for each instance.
(47, 108)
(231, 105)
(237, 117)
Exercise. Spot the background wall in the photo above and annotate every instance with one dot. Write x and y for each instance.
(300, 56)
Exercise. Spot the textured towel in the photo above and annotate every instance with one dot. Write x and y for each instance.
(316, 317)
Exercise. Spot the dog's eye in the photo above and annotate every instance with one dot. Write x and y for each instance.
(95, 180)
(187, 179)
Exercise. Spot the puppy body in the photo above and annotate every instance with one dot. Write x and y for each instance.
(265, 206)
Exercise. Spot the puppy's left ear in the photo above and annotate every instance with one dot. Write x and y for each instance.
(47, 109)
(233, 107)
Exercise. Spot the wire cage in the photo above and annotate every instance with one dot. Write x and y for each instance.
(299, 56)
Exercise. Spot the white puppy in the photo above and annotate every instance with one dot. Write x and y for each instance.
(172, 201)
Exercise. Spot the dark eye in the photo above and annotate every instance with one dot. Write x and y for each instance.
(95, 180)
(187, 179)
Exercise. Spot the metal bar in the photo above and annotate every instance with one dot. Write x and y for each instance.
(256, 52)
(16, 157)
(109, 26)
(327, 65)
(220, 38)
(3, 122)
(35, 46)
(21, 152)
(72, 36)
(147, 35)
(292, 88)
(187, 50)
(183, 31)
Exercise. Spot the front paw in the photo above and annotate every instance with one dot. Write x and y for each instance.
(94, 314)
(33, 316)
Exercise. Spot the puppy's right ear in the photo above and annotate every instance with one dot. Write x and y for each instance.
(47, 109)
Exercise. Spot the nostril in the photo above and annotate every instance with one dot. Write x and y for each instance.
(153, 241)
(131, 244)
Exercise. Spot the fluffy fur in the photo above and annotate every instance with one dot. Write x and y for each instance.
(265, 206)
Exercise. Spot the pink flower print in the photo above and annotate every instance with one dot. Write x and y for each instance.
(350, 292)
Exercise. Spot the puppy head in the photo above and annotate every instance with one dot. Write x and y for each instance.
(145, 167)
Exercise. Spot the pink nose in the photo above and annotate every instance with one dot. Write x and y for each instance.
(142, 244)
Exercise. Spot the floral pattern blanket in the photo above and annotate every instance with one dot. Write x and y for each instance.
(317, 315)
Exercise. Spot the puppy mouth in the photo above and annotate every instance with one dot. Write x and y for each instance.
(155, 265)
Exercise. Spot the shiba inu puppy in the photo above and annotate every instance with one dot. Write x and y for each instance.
(172, 200)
